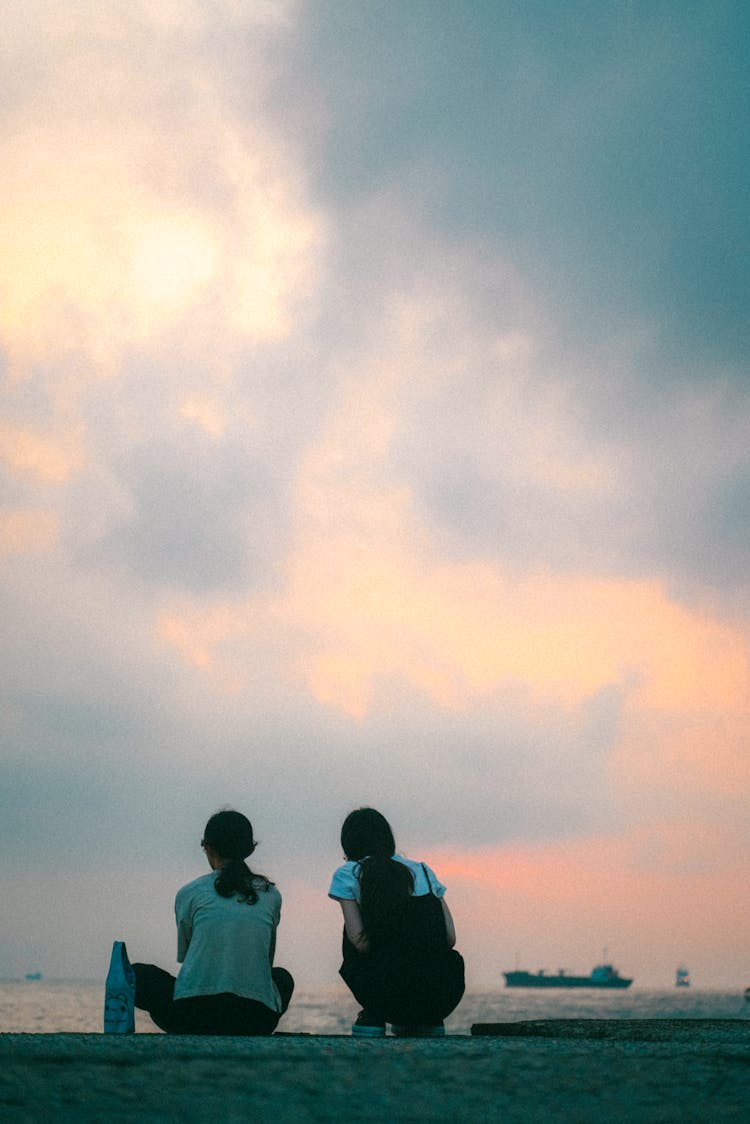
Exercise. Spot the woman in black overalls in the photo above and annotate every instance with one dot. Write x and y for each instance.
(399, 959)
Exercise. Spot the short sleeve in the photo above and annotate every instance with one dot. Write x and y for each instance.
(345, 883)
(436, 886)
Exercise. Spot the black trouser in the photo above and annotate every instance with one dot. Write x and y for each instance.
(417, 993)
(206, 1014)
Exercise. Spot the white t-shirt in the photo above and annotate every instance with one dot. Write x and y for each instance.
(345, 883)
(225, 944)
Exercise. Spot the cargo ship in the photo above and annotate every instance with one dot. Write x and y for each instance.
(604, 975)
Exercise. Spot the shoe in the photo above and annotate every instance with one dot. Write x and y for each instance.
(368, 1026)
(119, 993)
(437, 1031)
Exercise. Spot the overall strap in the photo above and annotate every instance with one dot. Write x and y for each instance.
(429, 884)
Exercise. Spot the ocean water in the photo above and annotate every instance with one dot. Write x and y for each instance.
(42, 1007)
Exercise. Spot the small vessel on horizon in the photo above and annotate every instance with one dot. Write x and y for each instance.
(33, 975)
(682, 978)
(603, 975)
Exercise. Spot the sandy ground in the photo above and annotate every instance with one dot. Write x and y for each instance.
(554, 1070)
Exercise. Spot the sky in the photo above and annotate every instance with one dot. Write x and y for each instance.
(375, 430)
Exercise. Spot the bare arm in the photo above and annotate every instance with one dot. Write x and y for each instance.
(450, 928)
(184, 928)
(353, 924)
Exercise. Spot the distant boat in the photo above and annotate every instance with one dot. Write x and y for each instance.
(33, 975)
(747, 994)
(604, 975)
(682, 978)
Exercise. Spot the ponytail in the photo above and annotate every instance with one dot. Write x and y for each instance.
(386, 886)
(236, 878)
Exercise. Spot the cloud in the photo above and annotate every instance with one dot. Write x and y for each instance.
(27, 530)
(155, 232)
(368, 586)
(173, 213)
(363, 443)
(52, 459)
(598, 145)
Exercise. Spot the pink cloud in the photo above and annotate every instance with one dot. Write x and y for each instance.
(52, 458)
(28, 530)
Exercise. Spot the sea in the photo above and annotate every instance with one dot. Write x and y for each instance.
(70, 1006)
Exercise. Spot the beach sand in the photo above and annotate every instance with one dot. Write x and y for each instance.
(573, 1070)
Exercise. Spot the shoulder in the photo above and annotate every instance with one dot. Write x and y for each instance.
(267, 891)
(268, 901)
(425, 879)
(202, 882)
(200, 885)
(345, 882)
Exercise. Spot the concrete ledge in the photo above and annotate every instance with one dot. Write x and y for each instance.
(694, 1070)
(701, 1031)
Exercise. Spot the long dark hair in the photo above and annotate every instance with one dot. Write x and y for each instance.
(386, 884)
(230, 835)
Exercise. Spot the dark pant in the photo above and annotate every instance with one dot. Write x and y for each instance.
(416, 993)
(206, 1014)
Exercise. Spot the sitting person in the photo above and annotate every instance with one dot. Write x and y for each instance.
(226, 936)
(399, 960)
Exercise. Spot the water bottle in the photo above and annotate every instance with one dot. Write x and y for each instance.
(119, 993)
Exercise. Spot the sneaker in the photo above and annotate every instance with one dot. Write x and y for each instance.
(437, 1031)
(368, 1026)
(119, 993)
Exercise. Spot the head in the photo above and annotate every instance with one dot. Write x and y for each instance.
(366, 832)
(229, 836)
(228, 841)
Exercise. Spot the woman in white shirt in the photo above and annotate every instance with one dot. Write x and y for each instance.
(226, 938)
(399, 959)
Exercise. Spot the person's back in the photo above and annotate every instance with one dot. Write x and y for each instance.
(224, 944)
(417, 932)
(398, 958)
